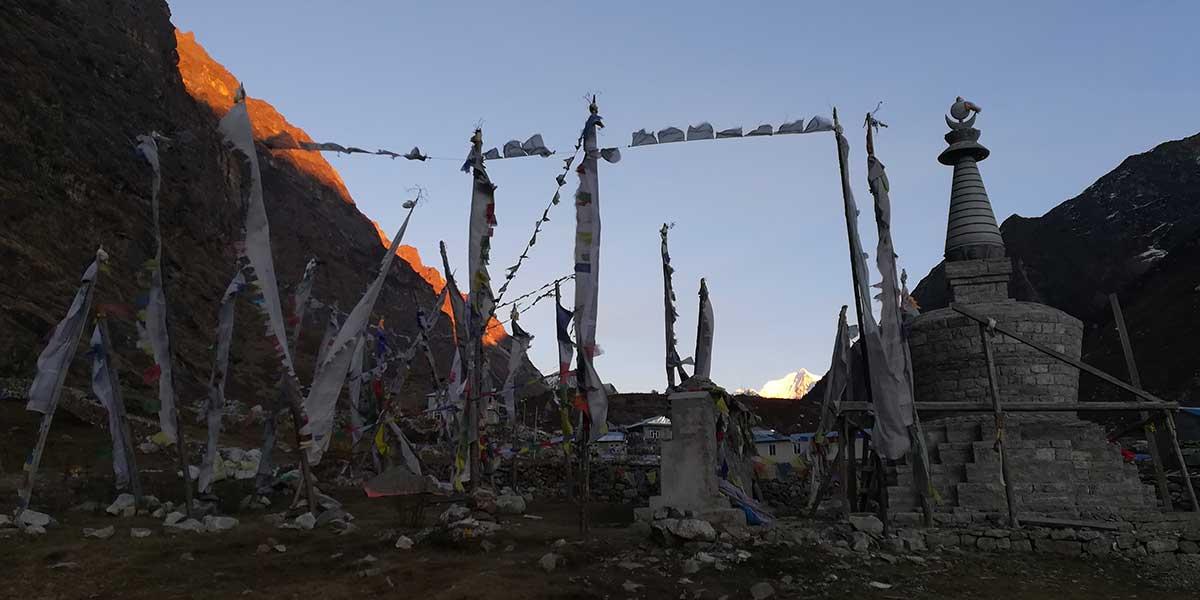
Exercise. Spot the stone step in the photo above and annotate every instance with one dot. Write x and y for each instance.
(954, 453)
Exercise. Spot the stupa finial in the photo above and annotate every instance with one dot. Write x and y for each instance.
(971, 231)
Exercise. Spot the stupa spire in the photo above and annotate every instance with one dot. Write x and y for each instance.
(971, 231)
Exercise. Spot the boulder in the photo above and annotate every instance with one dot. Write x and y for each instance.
(404, 542)
(215, 524)
(868, 524)
(510, 505)
(33, 518)
(173, 518)
(484, 499)
(761, 591)
(454, 513)
(691, 529)
(306, 521)
(138, 532)
(185, 525)
(100, 534)
(549, 561)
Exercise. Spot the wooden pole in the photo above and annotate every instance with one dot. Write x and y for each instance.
(994, 389)
(860, 303)
(668, 314)
(35, 458)
(849, 477)
(916, 433)
(302, 444)
(1082, 366)
(125, 434)
(1160, 473)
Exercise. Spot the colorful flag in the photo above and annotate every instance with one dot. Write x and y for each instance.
(321, 402)
(587, 275)
(235, 127)
(153, 335)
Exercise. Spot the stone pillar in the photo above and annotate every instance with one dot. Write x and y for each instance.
(689, 462)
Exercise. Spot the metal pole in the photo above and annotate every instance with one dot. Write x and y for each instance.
(1160, 473)
(994, 388)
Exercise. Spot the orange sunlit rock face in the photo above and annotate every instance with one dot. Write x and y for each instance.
(211, 83)
(208, 81)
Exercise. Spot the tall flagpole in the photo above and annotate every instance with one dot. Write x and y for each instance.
(916, 432)
(859, 306)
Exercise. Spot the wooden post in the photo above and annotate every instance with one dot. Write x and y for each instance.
(293, 401)
(849, 476)
(994, 389)
(125, 434)
(474, 399)
(856, 277)
(35, 458)
(1160, 473)
(1187, 477)
(671, 353)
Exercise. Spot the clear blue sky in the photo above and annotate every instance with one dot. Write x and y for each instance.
(1068, 90)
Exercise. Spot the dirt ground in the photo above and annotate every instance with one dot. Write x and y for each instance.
(612, 562)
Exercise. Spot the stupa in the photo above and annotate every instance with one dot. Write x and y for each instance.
(1061, 466)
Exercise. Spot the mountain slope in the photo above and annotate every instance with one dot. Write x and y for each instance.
(79, 81)
(1133, 232)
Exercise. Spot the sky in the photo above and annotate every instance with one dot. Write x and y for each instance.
(1068, 90)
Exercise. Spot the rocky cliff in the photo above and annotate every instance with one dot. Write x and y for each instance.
(79, 81)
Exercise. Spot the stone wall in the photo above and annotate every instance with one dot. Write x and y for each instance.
(949, 365)
(631, 481)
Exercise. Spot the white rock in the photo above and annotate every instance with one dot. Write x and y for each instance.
(101, 534)
(139, 532)
(306, 521)
(186, 525)
(212, 523)
(549, 561)
(631, 586)
(868, 524)
(148, 448)
(404, 542)
(173, 518)
(455, 513)
(35, 530)
(692, 529)
(510, 505)
(159, 512)
(879, 585)
(34, 518)
(761, 591)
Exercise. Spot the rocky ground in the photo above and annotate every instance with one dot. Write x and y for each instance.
(88, 553)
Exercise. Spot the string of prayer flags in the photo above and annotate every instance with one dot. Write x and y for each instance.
(705, 131)
(560, 180)
(235, 127)
(215, 405)
(321, 402)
